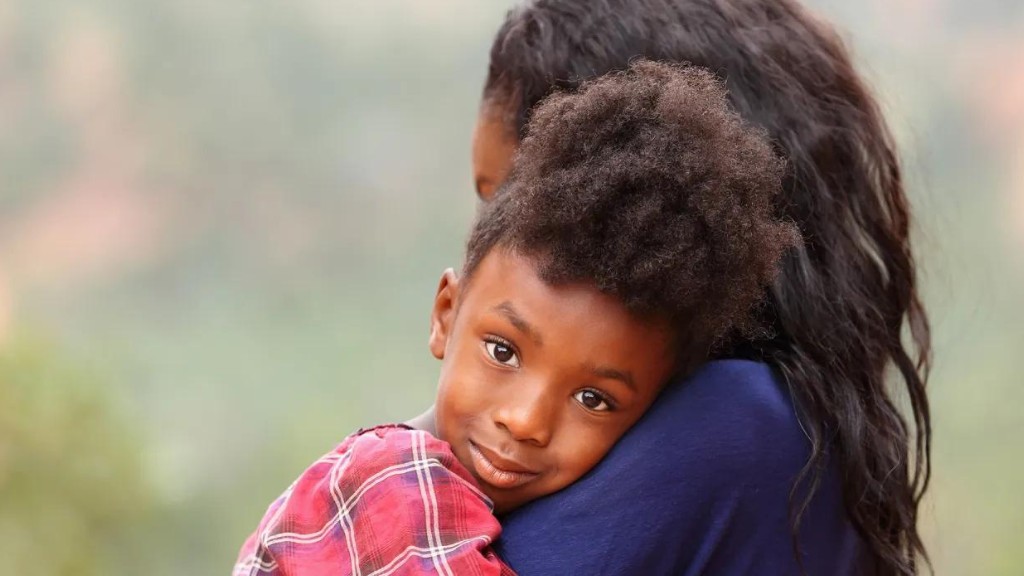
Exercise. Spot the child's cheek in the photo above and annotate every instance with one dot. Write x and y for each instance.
(577, 457)
(465, 393)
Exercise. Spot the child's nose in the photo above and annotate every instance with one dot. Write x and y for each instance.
(528, 415)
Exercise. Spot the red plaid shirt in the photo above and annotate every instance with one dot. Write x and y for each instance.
(389, 500)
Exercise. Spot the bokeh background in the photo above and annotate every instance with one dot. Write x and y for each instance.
(222, 224)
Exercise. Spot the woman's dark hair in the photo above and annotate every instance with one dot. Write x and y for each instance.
(845, 298)
(647, 185)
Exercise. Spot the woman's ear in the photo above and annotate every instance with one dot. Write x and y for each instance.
(442, 317)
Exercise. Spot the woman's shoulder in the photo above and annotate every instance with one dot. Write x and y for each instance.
(724, 391)
(700, 485)
(733, 422)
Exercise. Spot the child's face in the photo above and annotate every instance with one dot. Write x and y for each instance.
(538, 381)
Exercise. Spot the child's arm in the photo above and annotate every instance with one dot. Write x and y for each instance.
(389, 501)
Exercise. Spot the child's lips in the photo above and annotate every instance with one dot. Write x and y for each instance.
(498, 471)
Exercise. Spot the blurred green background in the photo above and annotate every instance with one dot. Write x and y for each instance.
(222, 224)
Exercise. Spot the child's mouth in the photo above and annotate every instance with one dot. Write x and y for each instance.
(493, 469)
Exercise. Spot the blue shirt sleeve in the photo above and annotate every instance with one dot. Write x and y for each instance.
(699, 486)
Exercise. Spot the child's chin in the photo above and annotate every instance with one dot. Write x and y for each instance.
(500, 509)
(505, 503)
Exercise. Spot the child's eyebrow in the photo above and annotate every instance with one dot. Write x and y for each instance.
(624, 377)
(509, 312)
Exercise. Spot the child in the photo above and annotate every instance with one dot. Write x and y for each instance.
(635, 233)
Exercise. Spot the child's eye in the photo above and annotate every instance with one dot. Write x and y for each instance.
(592, 400)
(502, 353)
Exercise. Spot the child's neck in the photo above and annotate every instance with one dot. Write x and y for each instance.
(424, 422)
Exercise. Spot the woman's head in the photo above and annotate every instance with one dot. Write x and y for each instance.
(843, 299)
(636, 231)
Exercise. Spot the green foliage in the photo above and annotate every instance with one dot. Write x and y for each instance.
(71, 480)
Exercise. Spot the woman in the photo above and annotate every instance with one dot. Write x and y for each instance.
(790, 454)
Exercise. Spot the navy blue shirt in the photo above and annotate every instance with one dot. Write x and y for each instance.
(699, 486)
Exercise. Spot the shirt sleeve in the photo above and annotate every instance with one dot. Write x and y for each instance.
(699, 486)
(387, 501)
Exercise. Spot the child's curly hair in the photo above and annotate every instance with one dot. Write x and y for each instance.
(648, 185)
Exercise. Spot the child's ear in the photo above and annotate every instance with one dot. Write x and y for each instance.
(442, 317)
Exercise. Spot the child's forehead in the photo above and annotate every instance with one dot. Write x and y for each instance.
(510, 283)
(506, 271)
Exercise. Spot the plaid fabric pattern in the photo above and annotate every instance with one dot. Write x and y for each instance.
(387, 501)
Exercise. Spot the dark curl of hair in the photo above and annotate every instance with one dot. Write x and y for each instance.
(646, 184)
(848, 331)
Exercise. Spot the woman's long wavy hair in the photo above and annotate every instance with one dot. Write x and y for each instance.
(845, 310)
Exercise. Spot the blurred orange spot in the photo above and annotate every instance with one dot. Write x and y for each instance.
(99, 218)
(93, 226)
(991, 72)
